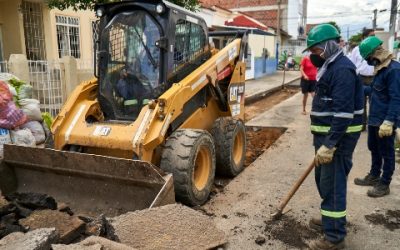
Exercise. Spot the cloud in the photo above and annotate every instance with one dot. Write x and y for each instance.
(349, 14)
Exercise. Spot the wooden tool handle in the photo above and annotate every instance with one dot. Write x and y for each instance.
(296, 186)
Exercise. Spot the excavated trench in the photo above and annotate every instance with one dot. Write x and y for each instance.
(259, 139)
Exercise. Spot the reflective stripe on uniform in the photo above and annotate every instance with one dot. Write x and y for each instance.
(130, 102)
(332, 214)
(145, 101)
(359, 112)
(344, 115)
(341, 114)
(325, 129)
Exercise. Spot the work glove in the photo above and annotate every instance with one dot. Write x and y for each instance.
(324, 155)
(386, 129)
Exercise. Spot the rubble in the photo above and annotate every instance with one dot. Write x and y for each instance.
(93, 243)
(33, 200)
(69, 227)
(168, 227)
(39, 239)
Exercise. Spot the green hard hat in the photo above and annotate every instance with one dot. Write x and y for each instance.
(368, 45)
(396, 45)
(321, 33)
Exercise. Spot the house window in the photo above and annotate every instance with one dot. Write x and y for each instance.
(33, 29)
(95, 32)
(68, 39)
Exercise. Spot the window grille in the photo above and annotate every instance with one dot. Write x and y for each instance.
(189, 49)
(68, 39)
(33, 29)
(189, 42)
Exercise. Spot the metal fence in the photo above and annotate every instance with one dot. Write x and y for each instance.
(47, 80)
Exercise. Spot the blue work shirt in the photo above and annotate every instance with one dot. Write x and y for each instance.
(338, 104)
(385, 96)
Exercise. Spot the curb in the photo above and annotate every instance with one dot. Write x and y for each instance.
(261, 94)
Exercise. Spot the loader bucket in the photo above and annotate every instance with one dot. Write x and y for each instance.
(88, 184)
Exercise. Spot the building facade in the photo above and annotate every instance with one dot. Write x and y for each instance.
(29, 27)
(293, 14)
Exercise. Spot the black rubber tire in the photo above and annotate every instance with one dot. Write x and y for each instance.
(224, 132)
(179, 157)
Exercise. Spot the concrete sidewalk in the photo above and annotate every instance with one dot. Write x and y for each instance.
(258, 88)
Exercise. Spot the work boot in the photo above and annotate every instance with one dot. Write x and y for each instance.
(379, 190)
(368, 180)
(323, 244)
(316, 224)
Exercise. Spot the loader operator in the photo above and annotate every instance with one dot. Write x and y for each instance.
(336, 123)
(132, 91)
(384, 116)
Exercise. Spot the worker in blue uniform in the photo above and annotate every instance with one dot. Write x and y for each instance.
(384, 116)
(336, 124)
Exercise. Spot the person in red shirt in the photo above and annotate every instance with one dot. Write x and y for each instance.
(308, 79)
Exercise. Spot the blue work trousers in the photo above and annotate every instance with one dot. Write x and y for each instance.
(382, 154)
(331, 180)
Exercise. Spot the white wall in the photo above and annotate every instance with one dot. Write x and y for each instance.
(258, 42)
(294, 16)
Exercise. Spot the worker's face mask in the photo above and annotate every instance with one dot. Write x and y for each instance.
(373, 61)
(317, 59)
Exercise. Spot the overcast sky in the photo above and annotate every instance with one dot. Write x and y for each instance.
(351, 14)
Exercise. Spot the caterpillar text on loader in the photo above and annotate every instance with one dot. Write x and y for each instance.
(164, 113)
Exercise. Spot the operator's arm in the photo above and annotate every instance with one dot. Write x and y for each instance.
(343, 94)
(393, 80)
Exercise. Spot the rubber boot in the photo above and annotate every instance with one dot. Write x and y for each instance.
(379, 190)
(323, 244)
(368, 180)
(316, 224)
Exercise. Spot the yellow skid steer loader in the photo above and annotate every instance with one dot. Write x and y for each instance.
(163, 115)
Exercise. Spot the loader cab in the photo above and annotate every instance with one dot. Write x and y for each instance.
(142, 49)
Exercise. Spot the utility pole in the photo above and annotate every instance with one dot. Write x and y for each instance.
(278, 22)
(392, 25)
(374, 19)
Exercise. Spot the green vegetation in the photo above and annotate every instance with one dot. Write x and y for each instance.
(336, 26)
(192, 5)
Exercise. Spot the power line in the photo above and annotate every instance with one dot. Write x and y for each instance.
(317, 17)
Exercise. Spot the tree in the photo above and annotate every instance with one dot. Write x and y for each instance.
(192, 5)
(356, 39)
(336, 26)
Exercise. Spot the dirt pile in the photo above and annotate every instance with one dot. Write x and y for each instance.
(290, 231)
(390, 220)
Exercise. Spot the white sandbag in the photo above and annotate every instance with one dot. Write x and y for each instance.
(31, 107)
(37, 131)
(23, 137)
(25, 92)
(4, 139)
(7, 76)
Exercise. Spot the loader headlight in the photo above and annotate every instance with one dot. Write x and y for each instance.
(100, 12)
(160, 8)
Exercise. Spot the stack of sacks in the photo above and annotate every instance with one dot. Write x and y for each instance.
(24, 125)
